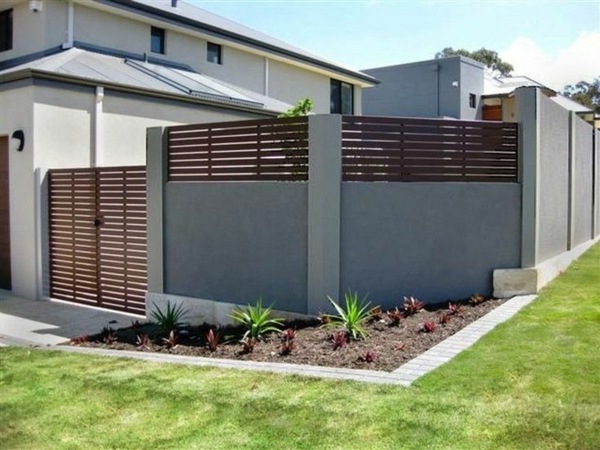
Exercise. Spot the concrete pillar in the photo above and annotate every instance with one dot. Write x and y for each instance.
(156, 177)
(324, 202)
(596, 189)
(527, 109)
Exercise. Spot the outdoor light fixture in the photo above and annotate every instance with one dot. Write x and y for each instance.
(19, 136)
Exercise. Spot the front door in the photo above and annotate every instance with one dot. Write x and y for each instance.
(5, 277)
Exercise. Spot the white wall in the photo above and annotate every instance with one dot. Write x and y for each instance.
(289, 84)
(16, 113)
(35, 31)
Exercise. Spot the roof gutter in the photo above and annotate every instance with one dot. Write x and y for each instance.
(128, 5)
(79, 81)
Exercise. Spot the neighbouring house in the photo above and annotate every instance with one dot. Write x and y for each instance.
(454, 87)
(82, 80)
(446, 87)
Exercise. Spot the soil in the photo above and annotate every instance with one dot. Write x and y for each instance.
(386, 348)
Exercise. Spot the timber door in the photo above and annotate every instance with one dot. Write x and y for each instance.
(98, 237)
(5, 275)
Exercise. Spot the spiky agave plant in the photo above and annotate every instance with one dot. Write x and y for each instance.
(351, 316)
(256, 320)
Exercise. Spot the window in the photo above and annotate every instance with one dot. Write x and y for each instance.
(472, 100)
(213, 53)
(6, 30)
(342, 97)
(157, 40)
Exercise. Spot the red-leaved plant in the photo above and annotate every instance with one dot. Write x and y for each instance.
(453, 308)
(143, 341)
(78, 340)
(369, 356)
(339, 339)
(428, 327)
(287, 341)
(395, 316)
(171, 341)
(412, 305)
(444, 319)
(213, 340)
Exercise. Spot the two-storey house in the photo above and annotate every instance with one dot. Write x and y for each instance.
(82, 80)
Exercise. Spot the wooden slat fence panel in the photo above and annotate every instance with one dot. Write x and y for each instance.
(250, 150)
(412, 149)
(98, 237)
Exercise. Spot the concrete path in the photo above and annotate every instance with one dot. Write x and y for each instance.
(48, 323)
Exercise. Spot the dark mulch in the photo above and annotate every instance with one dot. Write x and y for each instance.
(391, 345)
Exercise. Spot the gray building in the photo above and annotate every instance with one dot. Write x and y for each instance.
(446, 87)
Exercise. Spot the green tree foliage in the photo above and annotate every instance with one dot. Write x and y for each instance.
(488, 57)
(303, 108)
(588, 94)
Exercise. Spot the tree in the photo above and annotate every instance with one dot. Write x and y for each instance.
(302, 108)
(588, 94)
(488, 57)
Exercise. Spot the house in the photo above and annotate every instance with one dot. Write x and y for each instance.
(81, 81)
(454, 87)
(446, 87)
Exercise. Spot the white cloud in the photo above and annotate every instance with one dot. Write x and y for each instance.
(579, 61)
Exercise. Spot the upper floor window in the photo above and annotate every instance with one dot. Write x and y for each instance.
(6, 30)
(342, 97)
(157, 40)
(213, 53)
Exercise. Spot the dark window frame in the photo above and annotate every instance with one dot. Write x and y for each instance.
(214, 53)
(338, 102)
(160, 35)
(6, 38)
(473, 101)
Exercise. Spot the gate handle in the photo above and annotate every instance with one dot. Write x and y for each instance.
(98, 221)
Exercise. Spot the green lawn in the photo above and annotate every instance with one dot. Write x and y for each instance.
(533, 383)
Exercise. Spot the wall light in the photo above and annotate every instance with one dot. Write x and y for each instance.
(19, 138)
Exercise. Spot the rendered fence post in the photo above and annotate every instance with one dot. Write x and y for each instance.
(324, 202)
(527, 110)
(156, 167)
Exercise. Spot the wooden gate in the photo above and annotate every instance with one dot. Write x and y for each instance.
(97, 239)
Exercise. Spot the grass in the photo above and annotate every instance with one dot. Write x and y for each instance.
(532, 383)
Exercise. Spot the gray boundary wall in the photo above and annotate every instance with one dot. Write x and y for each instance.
(435, 241)
(234, 242)
(582, 164)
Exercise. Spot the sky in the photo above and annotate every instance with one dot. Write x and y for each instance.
(553, 42)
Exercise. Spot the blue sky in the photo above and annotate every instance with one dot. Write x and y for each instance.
(555, 42)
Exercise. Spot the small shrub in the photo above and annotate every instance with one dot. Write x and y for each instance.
(171, 319)
(339, 339)
(288, 343)
(108, 335)
(428, 327)
(171, 341)
(412, 305)
(256, 320)
(376, 314)
(476, 299)
(395, 316)
(213, 340)
(143, 341)
(78, 340)
(136, 325)
(369, 356)
(453, 308)
(444, 319)
(352, 316)
(248, 344)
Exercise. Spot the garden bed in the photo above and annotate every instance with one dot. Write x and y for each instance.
(386, 347)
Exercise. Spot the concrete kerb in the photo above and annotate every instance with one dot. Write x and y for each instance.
(405, 375)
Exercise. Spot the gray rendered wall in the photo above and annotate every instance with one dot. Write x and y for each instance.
(436, 241)
(553, 176)
(597, 182)
(471, 82)
(432, 88)
(233, 242)
(583, 176)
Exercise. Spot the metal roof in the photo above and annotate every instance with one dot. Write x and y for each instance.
(206, 21)
(101, 69)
